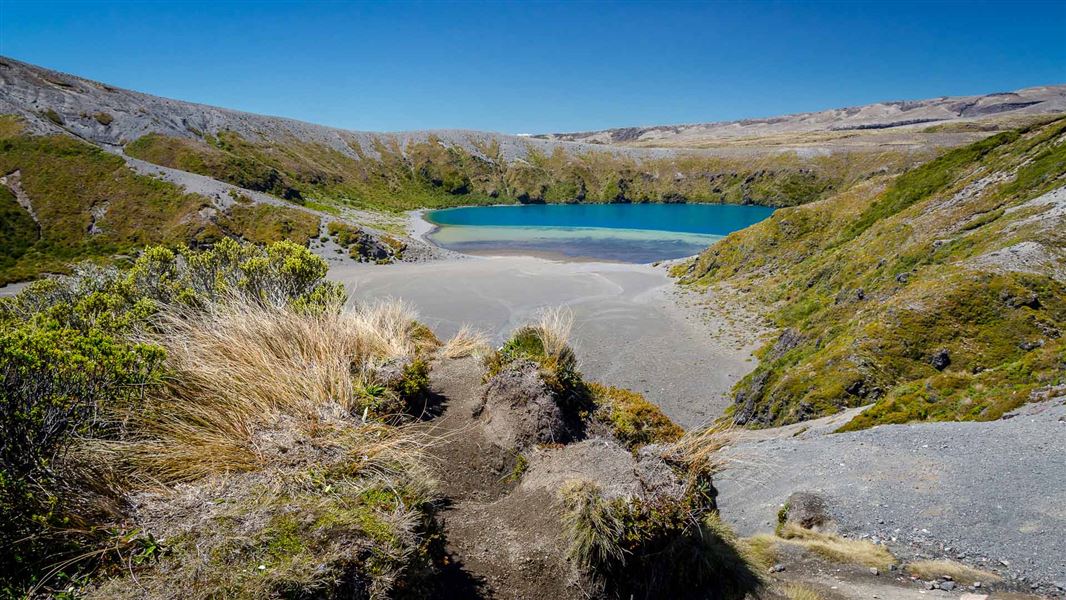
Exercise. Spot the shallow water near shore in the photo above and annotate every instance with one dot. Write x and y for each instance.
(636, 233)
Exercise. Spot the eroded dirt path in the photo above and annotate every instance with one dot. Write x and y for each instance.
(495, 534)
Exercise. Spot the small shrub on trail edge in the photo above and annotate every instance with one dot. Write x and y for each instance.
(655, 548)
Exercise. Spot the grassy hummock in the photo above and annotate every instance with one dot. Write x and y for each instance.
(664, 548)
(633, 420)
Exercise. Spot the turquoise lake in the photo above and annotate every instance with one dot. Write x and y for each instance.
(637, 233)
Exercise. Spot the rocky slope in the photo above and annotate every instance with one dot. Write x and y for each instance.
(898, 122)
(935, 295)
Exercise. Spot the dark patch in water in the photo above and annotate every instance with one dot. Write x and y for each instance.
(607, 249)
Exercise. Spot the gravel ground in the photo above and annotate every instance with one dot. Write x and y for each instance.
(632, 327)
(989, 494)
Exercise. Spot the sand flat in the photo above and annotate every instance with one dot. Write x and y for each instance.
(633, 326)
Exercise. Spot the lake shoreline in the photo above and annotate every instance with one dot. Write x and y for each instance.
(634, 233)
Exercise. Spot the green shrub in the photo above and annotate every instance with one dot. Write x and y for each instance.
(18, 231)
(54, 385)
(633, 420)
(53, 116)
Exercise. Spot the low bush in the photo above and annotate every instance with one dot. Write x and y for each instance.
(54, 385)
(665, 548)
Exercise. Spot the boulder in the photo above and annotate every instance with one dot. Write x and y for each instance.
(941, 359)
(808, 510)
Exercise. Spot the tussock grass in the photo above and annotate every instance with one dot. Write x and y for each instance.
(700, 450)
(241, 367)
(594, 531)
(545, 343)
(797, 591)
(838, 549)
(466, 342)
(963, 574)
(655, 547)
(761, 549)
(555, 326)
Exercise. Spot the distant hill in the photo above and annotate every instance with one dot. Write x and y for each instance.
(881, 124)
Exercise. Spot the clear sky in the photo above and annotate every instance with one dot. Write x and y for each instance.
(539, 67)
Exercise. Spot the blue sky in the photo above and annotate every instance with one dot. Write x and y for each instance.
(537, 67)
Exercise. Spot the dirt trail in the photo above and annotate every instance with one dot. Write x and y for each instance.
(498, 538)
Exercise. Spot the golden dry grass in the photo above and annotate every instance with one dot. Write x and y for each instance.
(838, 549)
(798, 591)
(466, 342)
(963, 574)
(701, 450)
(761, 549)
(555, 325)
(240, 368)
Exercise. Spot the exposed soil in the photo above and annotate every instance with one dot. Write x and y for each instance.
(499, 538)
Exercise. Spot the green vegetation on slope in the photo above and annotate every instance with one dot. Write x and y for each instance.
(17, 229)
(386, 176)
(235, 372)
(91, 205)
(888, 293)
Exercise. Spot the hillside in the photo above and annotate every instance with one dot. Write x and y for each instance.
(944, 121)
(303, 162)
(939, 294)
(327, 173)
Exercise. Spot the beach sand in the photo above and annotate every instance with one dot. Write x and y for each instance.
(633, 327)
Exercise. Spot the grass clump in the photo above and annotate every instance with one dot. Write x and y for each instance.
(762, 549)
(546, 345)
(798, 591)
(836, 548)
(958, 572)
(646, 548)
(633, 420)
(466, 342)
